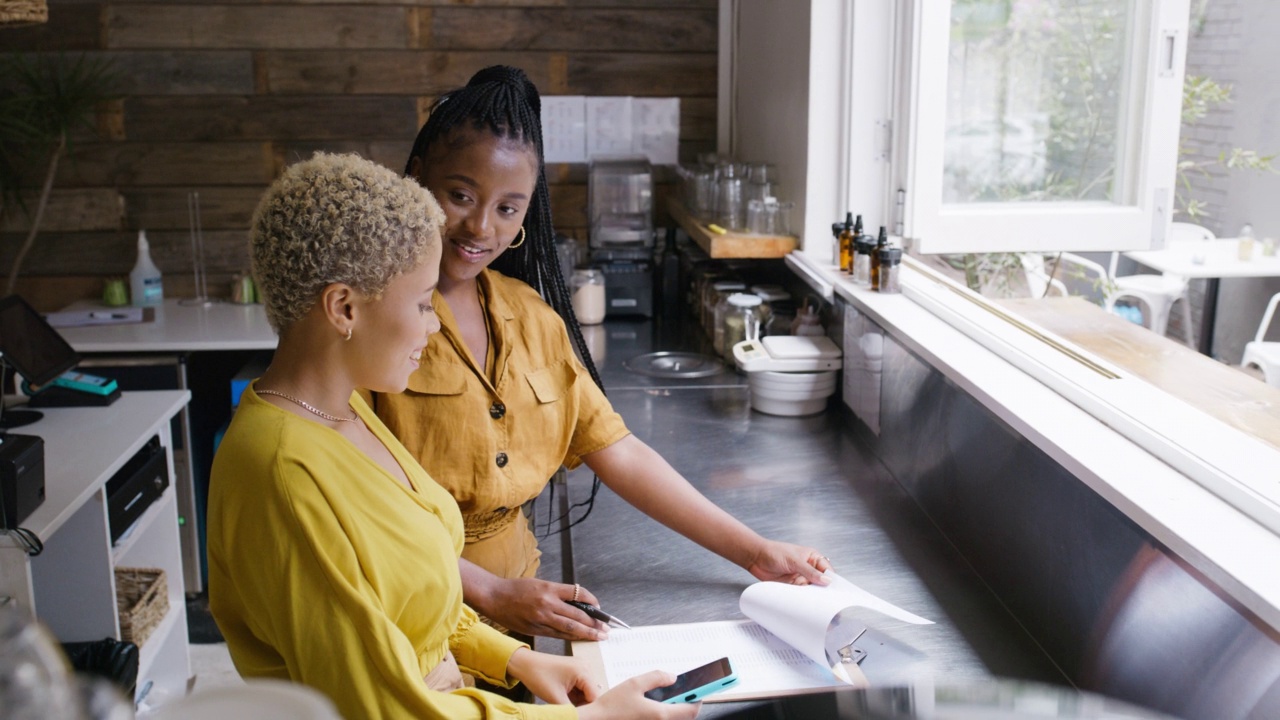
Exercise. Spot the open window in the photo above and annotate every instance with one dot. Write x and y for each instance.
(1039, 126)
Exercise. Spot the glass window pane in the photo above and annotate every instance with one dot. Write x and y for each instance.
(1034, 100)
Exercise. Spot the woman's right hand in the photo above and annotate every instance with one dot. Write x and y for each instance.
(627, 700)
(537, 607)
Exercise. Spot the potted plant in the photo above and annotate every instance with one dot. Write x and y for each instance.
(43, 102)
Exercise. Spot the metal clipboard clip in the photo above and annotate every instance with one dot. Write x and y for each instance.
(854, 649)
(851, 653)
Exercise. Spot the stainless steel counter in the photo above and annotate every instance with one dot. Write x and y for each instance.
(803, 480)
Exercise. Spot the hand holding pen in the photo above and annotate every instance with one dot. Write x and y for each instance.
(598, 614)
(531, 606)
(594, 611)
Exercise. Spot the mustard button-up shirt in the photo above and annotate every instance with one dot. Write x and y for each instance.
(493, 443)
(326, 570)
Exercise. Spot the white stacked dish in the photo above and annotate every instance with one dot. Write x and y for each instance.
(789, 375)
(791, 393)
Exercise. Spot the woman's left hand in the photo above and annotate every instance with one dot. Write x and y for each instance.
(553, 678)
(784, 562)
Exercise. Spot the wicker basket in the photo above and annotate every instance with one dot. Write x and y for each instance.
(23, 12)
(142, 599)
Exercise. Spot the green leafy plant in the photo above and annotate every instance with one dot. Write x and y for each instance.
(44, 100)
(1200, 94)
(994, 273)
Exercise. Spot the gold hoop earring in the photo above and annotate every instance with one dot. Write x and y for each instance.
(519, 242)
(348, 338)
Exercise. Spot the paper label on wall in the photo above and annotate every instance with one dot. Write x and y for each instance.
(576, 129)
(655, 129)
(608, 126)
(564, 128)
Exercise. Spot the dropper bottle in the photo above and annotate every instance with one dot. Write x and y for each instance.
(846, 244)
(882, 242)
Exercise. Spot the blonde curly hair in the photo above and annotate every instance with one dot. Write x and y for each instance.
(337, 218)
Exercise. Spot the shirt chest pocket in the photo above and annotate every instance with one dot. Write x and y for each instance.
(551, 383)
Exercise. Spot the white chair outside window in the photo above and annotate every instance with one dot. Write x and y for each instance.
(1091, 280)
(1159, 292)
(1265, 355)
(1039, 284)
(1077, 275)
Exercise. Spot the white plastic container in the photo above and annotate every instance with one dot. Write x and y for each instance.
(146, 286)
(791, 393)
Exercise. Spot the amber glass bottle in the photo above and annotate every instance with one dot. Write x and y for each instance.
(846, 244)
(882, 242)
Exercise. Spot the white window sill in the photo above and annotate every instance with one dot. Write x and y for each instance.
(1230, 547)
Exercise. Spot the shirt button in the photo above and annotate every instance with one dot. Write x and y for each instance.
(502, 459)
(497, 410)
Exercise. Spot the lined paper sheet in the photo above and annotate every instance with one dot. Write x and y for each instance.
(766, 666)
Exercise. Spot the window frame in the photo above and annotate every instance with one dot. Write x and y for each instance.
(1140, 217)
(1207, 453)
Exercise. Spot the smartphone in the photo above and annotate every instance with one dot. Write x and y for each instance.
(84, 382)
(697, 683)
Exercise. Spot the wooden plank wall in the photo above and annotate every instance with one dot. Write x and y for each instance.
(219, 97)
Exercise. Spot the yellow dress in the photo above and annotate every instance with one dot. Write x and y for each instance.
(494, 442)
(326, 570)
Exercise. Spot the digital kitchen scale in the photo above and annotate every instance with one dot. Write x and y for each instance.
(788, 353)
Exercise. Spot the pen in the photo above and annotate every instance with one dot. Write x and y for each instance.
(598, 614)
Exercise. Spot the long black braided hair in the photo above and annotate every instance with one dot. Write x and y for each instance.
(503, 101)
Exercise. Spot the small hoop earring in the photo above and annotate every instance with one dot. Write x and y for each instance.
(348, 338)
(519, 242)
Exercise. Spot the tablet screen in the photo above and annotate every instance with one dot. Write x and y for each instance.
(30, 345)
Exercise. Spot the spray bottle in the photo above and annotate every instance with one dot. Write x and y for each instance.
(146, 287)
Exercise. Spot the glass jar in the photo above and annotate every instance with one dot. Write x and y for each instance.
(731, 210)
(779, 220)
(762, 180)
(704, 273)
(755, 217)
(716, 292)
(772, 298)
(741, 321)
(890, 264)
(567, 254)
(587, 295)
(862, 261)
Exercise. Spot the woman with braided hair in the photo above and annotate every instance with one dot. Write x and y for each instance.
(501, 402)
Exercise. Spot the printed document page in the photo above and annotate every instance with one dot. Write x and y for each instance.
(766, 666)
(780, 651)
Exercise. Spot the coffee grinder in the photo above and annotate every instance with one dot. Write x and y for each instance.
(620, 206)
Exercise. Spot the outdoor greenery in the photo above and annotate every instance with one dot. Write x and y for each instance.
(1201, 94)
(44, 101)
(1057, 71)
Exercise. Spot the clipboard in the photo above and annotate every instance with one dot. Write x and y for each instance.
(802, 639)
(792, 673)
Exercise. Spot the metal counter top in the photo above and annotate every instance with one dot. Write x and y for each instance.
(804, 480)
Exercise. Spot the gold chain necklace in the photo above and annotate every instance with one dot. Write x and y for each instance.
(308, 406)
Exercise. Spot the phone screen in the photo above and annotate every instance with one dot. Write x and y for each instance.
(692, 680)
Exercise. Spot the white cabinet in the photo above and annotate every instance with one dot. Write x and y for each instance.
(71, 586)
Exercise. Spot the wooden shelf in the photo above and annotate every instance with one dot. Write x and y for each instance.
(730, 244)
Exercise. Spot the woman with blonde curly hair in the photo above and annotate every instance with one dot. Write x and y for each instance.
(333, 556)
